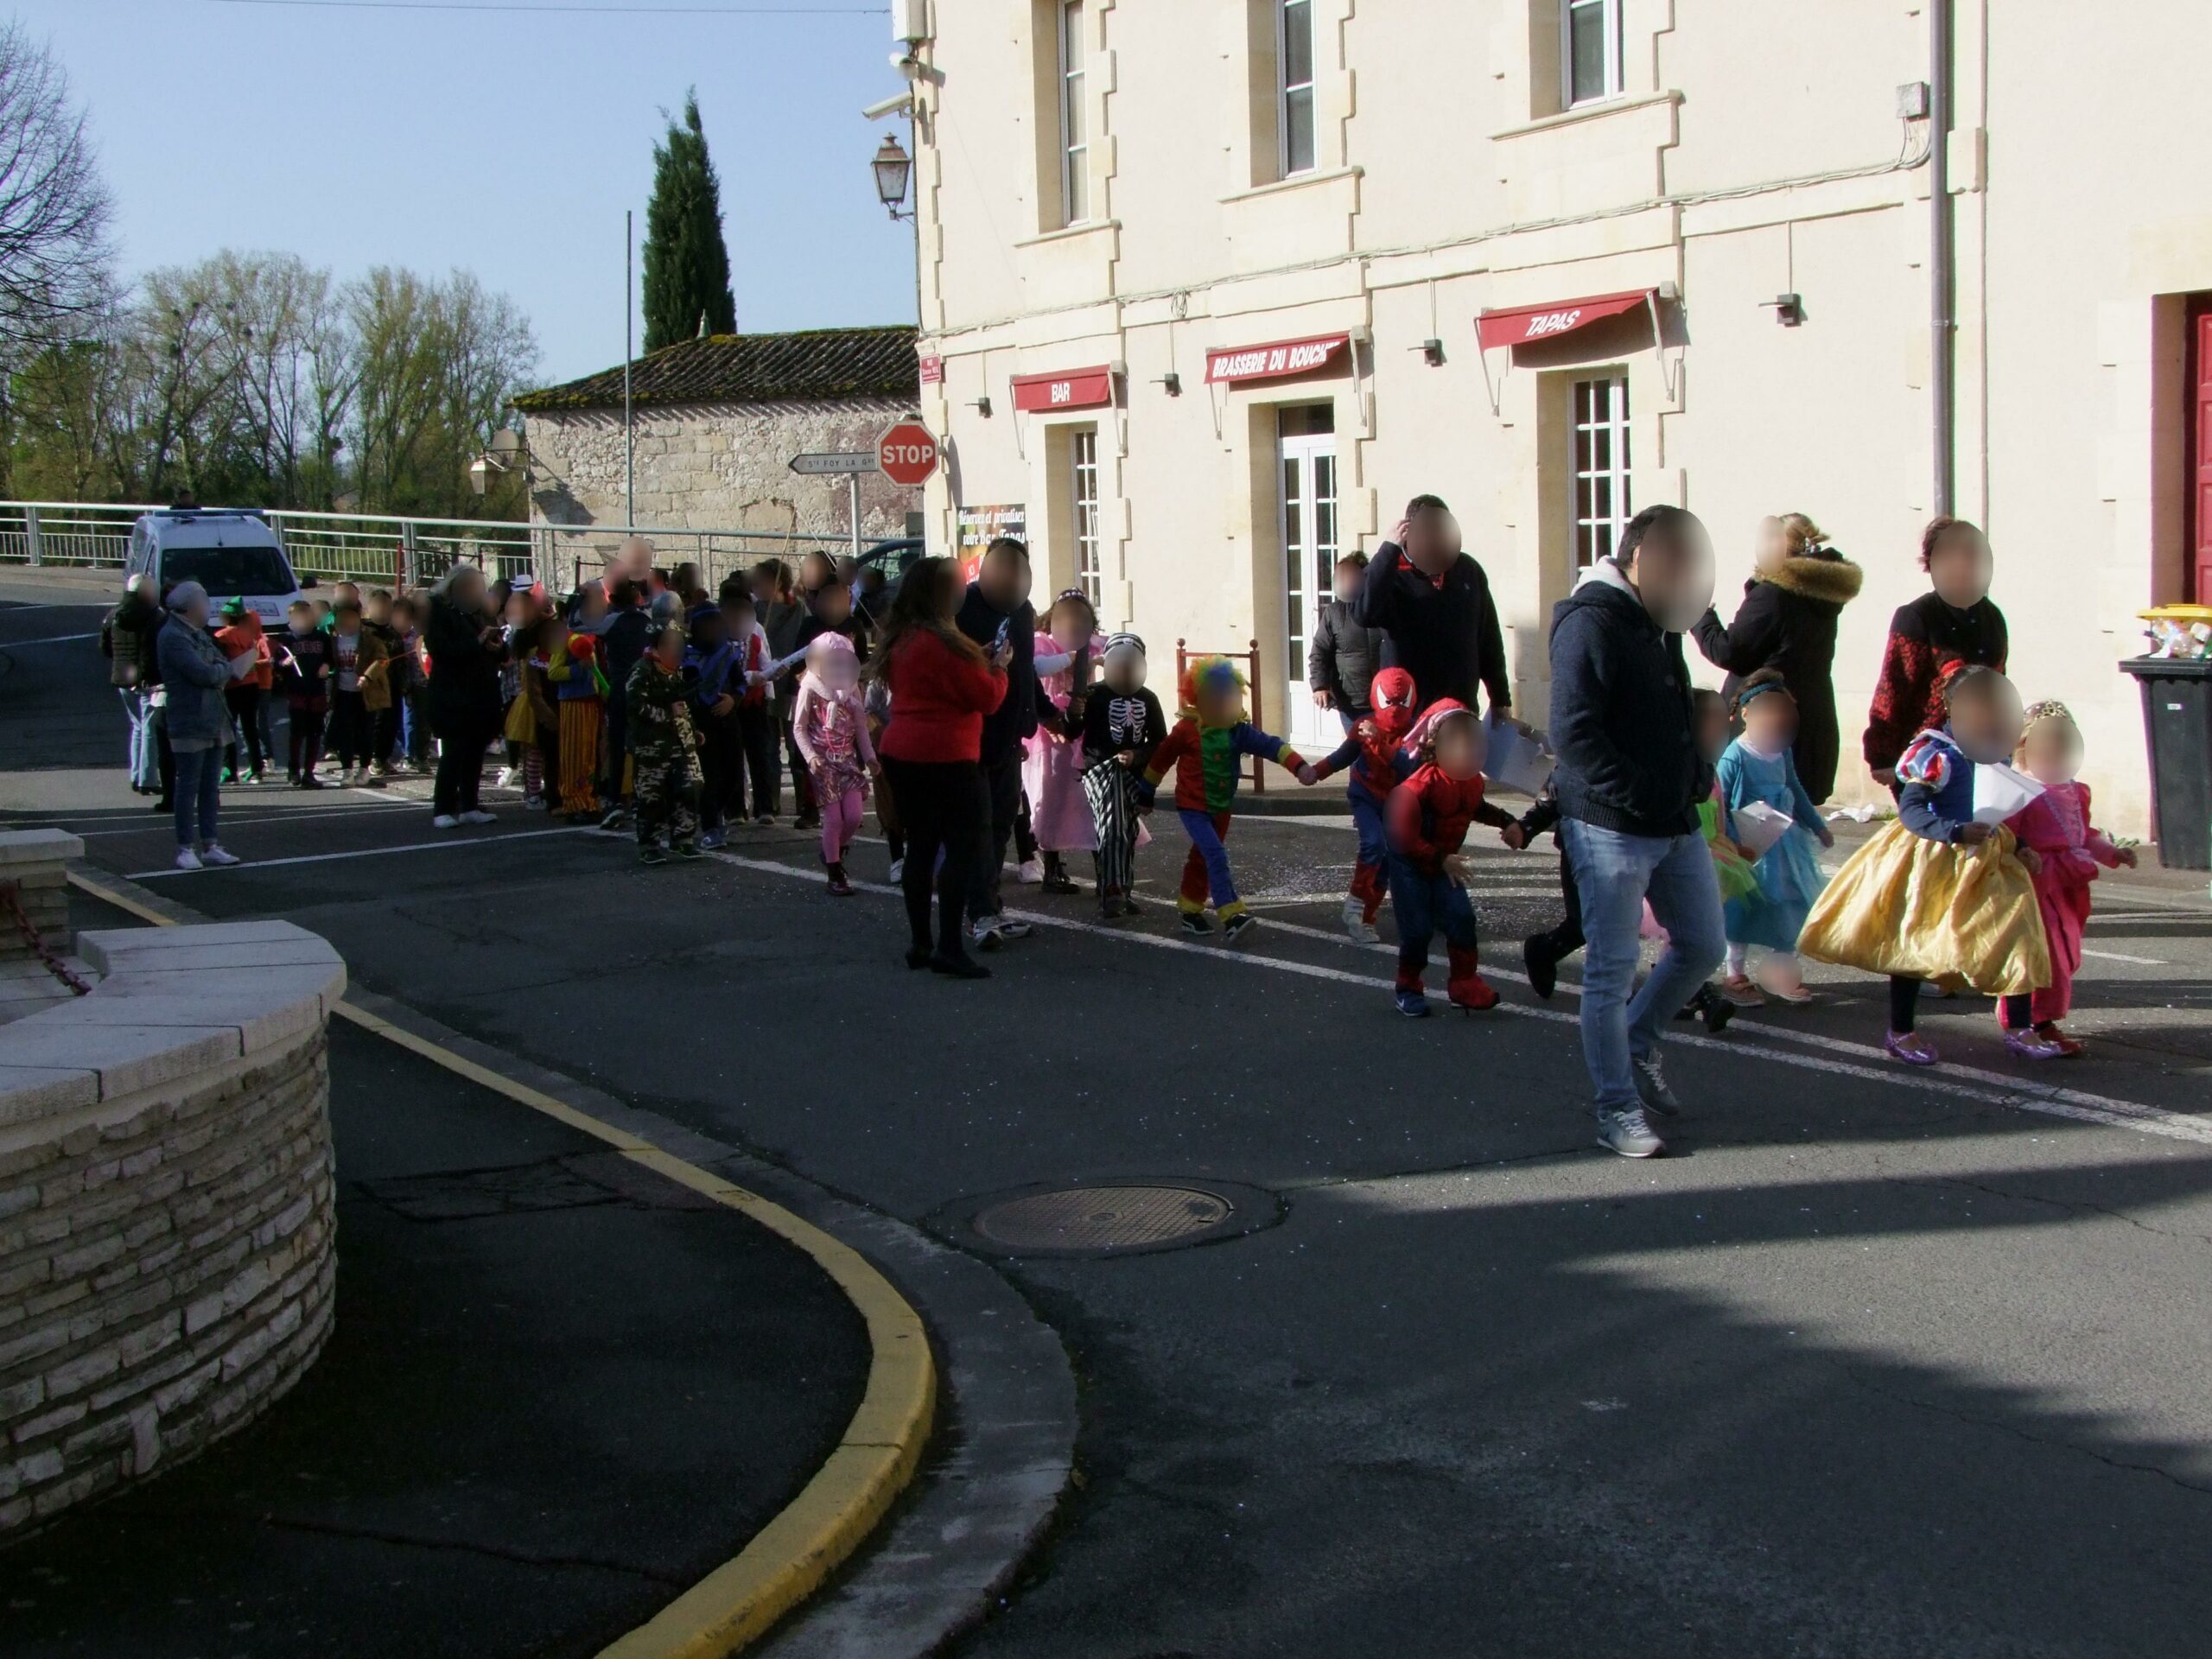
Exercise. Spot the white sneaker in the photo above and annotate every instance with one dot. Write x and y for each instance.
(1356, 924)
(188, 859)
(898, 871)
(534, 803)
(214, 854)
(1030, 872)
(1626, 1133)
(445, 821)
(506, 777)
(478, 815)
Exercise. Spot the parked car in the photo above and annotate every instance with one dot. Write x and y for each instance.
(232, 552)
(894, 558)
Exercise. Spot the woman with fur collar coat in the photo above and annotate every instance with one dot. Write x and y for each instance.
(1788, 622)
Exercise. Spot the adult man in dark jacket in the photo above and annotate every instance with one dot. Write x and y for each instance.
(134, 668)
(623, 640)
(997, 606)
(1432, 603)
(1345, 655)
(1629, 781)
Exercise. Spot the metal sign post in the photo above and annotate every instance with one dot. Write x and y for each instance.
(850, 462)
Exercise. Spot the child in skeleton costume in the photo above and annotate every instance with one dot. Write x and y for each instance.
(829, 725)
(1378, 764)
(1052, 766)
(1428, 816)
(1206, 751)
(1123, 724)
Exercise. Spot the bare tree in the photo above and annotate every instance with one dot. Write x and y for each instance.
(54, 208)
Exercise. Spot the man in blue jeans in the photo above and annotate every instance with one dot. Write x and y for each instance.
(1630, 778)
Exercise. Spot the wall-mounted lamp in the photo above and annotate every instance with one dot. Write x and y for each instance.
(1788, 308)
(982, 406)
(1172, 381)
(1432, 353)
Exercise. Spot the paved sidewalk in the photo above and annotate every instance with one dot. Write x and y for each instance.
(561, 1390)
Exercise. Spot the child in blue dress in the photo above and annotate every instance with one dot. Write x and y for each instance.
(1757, 768)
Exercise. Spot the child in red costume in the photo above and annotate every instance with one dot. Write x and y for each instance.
(1206, 749)
(1378, 764)
(2056, 826)
(1428, 816)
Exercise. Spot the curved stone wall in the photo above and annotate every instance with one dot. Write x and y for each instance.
(166, 1204)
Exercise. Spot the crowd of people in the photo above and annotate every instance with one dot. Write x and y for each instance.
(982, 728)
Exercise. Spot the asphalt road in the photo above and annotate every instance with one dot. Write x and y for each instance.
(1878, 1362)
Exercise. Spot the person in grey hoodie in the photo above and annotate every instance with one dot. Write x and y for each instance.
(1629, 780)
(194, 672)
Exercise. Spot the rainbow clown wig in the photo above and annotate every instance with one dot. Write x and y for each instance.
(1212, 679)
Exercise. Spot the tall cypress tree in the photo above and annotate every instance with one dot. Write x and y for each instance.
(687, 266)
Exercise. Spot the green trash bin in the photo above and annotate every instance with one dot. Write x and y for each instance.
(2178, 723)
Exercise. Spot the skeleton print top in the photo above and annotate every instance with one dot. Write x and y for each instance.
(1112, 724)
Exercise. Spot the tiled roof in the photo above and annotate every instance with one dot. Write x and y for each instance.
(815, 363)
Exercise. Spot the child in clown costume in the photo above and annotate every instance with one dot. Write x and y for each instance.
(1373, 753)
(1206, 750)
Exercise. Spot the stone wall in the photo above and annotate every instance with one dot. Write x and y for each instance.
(167, 1229)
(714, 466)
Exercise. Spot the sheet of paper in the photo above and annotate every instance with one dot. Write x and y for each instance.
(1516, 761)
(243, 665)
(1758, 826)
(2000, 791)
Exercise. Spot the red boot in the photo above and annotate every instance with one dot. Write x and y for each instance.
(1367, 886)
(1465, 987)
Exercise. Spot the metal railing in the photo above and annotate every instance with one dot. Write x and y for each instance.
(386, 550)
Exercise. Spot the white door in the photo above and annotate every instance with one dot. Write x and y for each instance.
(1309, 542)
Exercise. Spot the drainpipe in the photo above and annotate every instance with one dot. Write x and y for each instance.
(1941, 281)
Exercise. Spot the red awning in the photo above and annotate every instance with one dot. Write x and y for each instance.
(1523, 325)
(1077, 388)
(1275, 361)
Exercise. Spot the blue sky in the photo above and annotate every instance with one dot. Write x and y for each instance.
(506, 144)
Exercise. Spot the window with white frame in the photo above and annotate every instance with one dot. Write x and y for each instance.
(1294, 80)
(1589, 50)
(1083, 497)
(1075, 145)
(1598, 507)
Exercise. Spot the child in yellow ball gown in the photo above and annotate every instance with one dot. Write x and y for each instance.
(1936, 895)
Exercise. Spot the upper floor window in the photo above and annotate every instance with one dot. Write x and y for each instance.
(1075, 146)
(1589, 50)
(1295, 78)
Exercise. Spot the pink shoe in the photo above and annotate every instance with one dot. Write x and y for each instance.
(2032, 1044)
(1910, 1047)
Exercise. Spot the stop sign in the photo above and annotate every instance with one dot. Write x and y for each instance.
(906, 452)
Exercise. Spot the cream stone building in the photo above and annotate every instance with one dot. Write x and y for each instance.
(1209, 288)
(714, 424)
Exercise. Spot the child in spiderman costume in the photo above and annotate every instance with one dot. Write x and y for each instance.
(1206, 751)
(1428, 817)
(1378, 764)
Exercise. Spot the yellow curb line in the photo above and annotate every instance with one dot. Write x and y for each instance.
(870, 1466)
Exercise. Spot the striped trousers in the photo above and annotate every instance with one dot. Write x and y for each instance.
(580, 723)
(1111, 789)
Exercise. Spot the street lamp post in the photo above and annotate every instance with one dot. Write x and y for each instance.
(893, 167)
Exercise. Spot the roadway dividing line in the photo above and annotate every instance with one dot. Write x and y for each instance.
(55, 639)
(455, 840)
(2117, 955)
(1945, 1079)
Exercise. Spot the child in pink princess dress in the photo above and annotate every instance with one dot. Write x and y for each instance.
(2055, 825)
(830, 727)
(1051, 769)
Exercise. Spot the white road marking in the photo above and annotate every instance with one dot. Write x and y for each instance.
(455, 838)
(53, 640)
(2120, 956)
(2017, 1093)
(236, 815)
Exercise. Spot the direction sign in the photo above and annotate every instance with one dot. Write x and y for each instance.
(907, 452)
(831, 460)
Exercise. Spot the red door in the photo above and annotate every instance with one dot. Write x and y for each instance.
(2198, 576)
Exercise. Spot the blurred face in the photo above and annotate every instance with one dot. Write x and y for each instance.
(736, 620)
(595, 605)
(1220, 701)
(1348, 580)
(1712, 727)
(345, 591)
(832, 604)
(518, 610)
(1673, 573)
(196, 612)
(1770, 545)
(1461, 747)
(1959, 565)
(1771, 720)
(301, 616)
(1123, 672)
(1072, 626)
(2050, 752)
(1986, 719)
(1004, 578)
(346, 619)
(668, 650)
(378, 608)
(849, 568)
(1433, 540)
(706, 632)
(815, 571)
(838, 669)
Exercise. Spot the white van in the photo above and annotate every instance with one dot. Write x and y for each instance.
(232, 552)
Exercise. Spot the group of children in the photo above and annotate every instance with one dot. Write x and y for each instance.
(351, 673)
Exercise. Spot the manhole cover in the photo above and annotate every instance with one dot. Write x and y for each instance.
(1102, 1217)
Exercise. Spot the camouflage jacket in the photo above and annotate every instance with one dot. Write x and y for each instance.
(660, 714)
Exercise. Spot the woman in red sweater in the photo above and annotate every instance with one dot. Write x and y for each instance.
(941, 684)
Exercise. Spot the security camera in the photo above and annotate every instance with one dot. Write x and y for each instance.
(897, 105)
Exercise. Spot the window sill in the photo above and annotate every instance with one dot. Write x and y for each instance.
(1296, 182)
(1590, 111)
(1067, 233)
